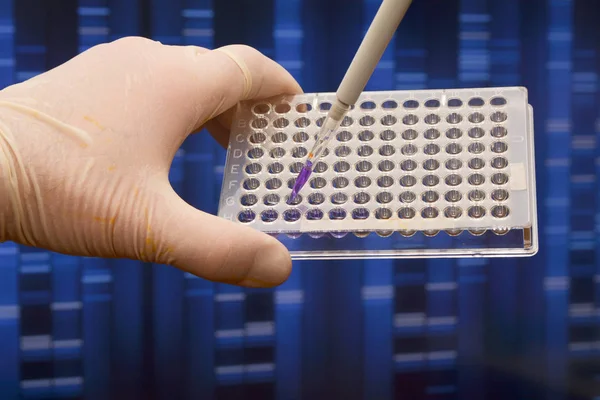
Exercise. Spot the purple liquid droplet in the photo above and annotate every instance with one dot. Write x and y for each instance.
(301, 180)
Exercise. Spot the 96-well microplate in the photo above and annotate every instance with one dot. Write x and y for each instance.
(431, 173)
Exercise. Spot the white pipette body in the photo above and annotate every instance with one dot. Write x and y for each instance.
(380, 33)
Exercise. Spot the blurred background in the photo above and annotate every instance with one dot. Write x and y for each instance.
(81, 328)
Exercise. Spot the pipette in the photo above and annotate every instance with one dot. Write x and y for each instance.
(367, 57)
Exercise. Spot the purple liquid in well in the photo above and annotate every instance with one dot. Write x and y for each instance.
(301, 180)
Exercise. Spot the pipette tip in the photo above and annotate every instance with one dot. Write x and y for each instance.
(301, 181)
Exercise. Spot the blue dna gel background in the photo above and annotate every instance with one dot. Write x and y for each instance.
(83, 328)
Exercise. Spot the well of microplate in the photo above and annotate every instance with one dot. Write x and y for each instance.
(429, 173)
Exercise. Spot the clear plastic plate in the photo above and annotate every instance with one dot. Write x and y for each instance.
(431, 173)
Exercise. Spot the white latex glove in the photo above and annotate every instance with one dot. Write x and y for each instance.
(85, 151)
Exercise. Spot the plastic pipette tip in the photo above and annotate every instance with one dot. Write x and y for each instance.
(301, 181)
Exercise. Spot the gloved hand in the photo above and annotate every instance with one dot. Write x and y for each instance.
(85, 151)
